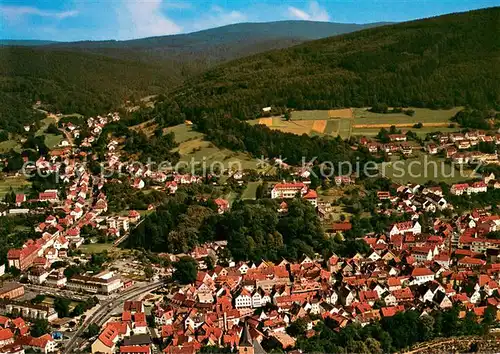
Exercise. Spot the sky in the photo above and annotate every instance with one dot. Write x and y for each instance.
(72, 20)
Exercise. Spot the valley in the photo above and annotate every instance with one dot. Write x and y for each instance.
(271, 187)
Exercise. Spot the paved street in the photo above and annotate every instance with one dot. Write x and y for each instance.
(107, 308)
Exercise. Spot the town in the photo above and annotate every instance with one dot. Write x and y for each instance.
(426, 258)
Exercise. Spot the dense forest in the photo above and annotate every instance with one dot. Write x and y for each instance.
(71, 82)
(254, 231)
(93, 77)
(445, 61)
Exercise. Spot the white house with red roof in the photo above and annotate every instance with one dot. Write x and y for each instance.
(459, 188)
(171, 186)
(422, 275)
(243, 300)
(134, 216)
(312, 197)
(401, 228)
(288, 190)
(20, 198)
(222, 205)
(49, 195)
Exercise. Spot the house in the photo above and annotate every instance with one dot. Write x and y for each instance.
(422, 275)
(312, 197)
(406, 227)
(397, 137)
(383, 195)
(406, 149)
(6, 337)
(20, 198)
(432, 149)
(459, 189)
(288, 190)
(243, 300)
(222, 205)
(49, 195)
(44, 344)
(478, 187)
(106, 342)
(341, 226)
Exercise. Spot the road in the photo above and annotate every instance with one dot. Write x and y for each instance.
(104, 312)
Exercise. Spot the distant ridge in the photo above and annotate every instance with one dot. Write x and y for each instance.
(27, 42)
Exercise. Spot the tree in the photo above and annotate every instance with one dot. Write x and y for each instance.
(186, 270)
(92, 331)
(39, 328)
(209, 262)
(296, 328)
(61, 305)
(38, 299)
(148, 272)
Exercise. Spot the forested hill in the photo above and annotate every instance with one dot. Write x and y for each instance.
(71, 82)
(444, 61)
(199, 50)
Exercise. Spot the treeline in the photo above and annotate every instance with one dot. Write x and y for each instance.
(476, 119)
(437, 63)
(396, 333)
(253, 231)
(260, 141)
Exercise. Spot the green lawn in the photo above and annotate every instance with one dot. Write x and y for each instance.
(250, 192)
(332, 127)
(11, 144)
(423, 115)
(309, 115)
(184, 133)
(18, 184)
(421, 169)
(96, 247)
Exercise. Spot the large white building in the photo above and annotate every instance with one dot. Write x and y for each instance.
(288, 190)
(104, 283)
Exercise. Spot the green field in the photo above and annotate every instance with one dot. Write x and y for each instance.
(198, 152)
(422, 169)
(51, 140)
(338, 122)
(332, 127)
(18, 184)
(250, 192)
(423, 115)
(11, 144)
(96, 247)
(309, 115)
(312, 123)
(184, 133)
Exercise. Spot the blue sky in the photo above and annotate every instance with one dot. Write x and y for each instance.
(70, 20)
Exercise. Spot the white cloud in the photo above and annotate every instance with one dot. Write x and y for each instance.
(144, 18)
(14, 13)
(218, 16)
(313, 13)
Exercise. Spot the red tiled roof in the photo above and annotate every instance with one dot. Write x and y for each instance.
(134, 349)
(341, 226)
(6, 334)
(418, 272)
